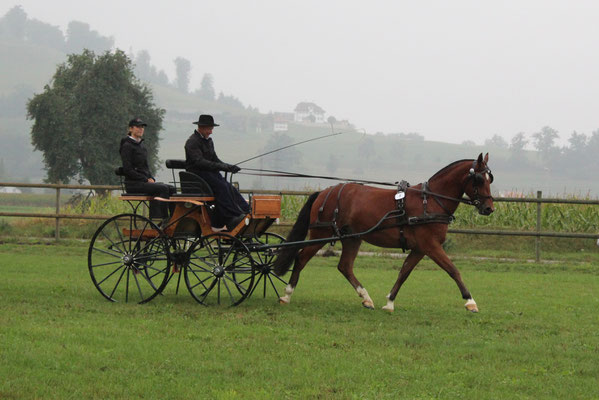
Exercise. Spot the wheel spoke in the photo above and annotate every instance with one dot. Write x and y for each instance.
(117, 282)
(109, 275)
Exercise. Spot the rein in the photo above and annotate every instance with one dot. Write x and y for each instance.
(285, 174)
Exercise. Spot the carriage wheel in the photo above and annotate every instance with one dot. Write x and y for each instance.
(128, 259)
(220, 270)
(267, 280)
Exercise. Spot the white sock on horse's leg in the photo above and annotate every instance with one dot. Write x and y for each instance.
(471, 305)
(287, 298)
(389, 306)
(366, 300)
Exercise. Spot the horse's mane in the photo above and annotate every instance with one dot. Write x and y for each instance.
(449, 166)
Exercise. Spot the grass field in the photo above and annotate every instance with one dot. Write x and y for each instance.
(535, 337)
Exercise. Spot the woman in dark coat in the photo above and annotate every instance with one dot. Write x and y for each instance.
(138, 178)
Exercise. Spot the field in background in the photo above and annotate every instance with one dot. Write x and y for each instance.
(508, 216)
(535, 336)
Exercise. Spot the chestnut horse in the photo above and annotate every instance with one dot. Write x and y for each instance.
(356, 208)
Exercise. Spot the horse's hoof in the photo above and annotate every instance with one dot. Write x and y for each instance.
(283, 301)
(388, 309)
(368, 305)
(471, 306)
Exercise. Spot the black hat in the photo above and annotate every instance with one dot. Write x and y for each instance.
(205, 120)
(137, 122)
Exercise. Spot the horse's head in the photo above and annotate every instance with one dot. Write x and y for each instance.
(478, 185)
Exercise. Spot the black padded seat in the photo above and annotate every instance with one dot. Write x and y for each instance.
(193, 185)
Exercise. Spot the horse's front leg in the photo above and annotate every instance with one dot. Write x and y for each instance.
(408, 265)
(346, 267)
(301, 260)
(438, 255)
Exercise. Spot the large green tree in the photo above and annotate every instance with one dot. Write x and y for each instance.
(80, 118)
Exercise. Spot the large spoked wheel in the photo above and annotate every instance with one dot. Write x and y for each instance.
(266, 280)
(220, 270)
(128, 259)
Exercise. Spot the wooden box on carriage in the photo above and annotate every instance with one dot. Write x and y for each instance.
(266, 206)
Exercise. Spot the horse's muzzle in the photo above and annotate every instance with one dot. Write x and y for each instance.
(486, 210)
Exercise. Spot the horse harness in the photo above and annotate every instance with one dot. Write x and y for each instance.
(399, 213)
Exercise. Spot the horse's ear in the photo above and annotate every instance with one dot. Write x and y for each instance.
(486, 160)
(480, 159)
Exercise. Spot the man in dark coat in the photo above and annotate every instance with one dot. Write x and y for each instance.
(138, 178)
(201, 159)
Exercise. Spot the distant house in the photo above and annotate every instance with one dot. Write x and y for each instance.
(281, 121)
(309, 112)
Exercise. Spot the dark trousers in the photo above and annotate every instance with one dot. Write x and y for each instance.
(229, 202)
(158, 209)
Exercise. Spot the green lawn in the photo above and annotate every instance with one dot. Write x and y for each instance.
(535, 337)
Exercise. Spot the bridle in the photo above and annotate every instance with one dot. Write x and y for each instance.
(478, 180)
(477, 200)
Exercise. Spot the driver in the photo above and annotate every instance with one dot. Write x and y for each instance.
(201, 159)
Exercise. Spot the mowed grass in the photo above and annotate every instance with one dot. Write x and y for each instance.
(535, 337)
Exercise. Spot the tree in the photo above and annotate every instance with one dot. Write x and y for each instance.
(517, 145)
(183, 66)
(80, 37)
(81, 116)
(46, 35)
(285, 159)
(13, 23)
(206, 91)
(496, 141)
(544, 140)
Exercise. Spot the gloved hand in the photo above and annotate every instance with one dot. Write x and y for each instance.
(233, 168)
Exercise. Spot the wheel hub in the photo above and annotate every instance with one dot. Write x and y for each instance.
(264, 268)
(218, 271)
(128, 260)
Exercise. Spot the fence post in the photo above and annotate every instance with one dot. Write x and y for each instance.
(57, 227)
(538, 238)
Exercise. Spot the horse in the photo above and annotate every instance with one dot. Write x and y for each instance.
(415, 218)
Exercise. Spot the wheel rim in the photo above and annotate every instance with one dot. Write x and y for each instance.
(266, 281)
(128, 259)
(220, 270)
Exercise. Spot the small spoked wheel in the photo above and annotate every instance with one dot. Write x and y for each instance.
(128, 259)
(266, 280)
(220, 270)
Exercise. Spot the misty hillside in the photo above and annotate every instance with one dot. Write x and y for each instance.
(29, 62)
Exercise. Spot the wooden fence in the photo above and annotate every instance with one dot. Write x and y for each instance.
(538, 233)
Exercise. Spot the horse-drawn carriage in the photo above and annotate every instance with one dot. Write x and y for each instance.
(132, 257)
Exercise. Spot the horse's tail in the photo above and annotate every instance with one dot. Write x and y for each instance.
(287, 255)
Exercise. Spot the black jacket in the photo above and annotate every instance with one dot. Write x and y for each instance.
(200, 155)
(135, 160)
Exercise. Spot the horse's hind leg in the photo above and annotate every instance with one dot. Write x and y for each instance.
(346, 267)
(300, 262)
(439, 256)
(408, 266)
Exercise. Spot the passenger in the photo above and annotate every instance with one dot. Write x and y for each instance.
(138, 178)
(201, 159)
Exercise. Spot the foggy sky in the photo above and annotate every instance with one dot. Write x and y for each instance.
(449, 70)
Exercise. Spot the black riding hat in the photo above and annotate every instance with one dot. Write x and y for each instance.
(205, 120)
(137, 122)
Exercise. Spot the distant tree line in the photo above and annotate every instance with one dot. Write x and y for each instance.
(17, 26)
(578, 156)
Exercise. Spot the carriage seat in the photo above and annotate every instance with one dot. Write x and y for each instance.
(127, 195)
(191, 184)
